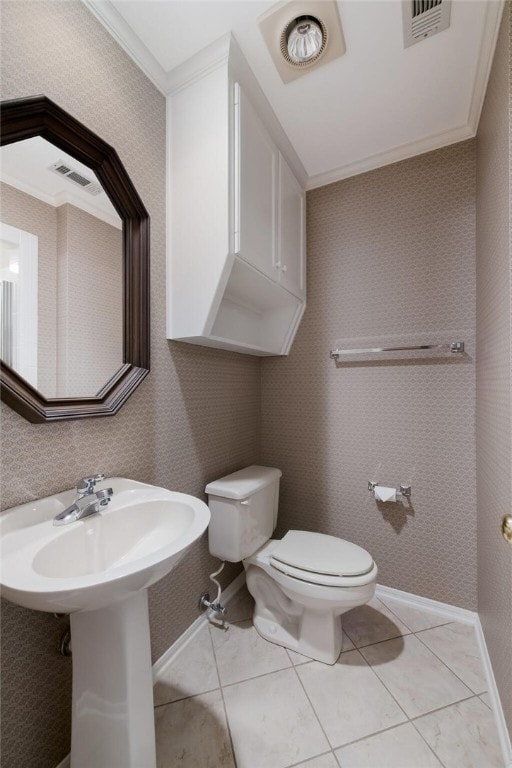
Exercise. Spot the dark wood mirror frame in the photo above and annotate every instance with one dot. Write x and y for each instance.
(39, 116)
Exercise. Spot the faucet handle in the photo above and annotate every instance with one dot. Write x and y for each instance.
(104, 496)
(86, 484)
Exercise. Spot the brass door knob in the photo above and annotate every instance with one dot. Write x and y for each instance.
(506, 528)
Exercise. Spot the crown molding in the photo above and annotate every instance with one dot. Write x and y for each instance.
(210, 58)
(216, 54)
(493, 14)
(61, 198)
(124, 35)
(389, 156)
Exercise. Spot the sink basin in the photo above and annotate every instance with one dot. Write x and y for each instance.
(91, 563)
(98, 570)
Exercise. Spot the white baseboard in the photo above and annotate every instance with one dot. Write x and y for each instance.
(450, 612)
(492, 688)
(184, 639)
(454, 613)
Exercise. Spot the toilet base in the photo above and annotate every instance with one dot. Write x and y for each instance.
(304, 637)
(284, 616)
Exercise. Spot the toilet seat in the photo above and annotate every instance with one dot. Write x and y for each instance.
(316, 558)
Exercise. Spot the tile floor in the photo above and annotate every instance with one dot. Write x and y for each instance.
(408, 691)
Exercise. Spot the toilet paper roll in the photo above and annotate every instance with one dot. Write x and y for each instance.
(383, 493)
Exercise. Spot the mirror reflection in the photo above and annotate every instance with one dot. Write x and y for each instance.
(61, 272)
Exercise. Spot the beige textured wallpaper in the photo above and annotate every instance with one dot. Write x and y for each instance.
(391, 257)
(80, 279)
(90, 318)
(494, 358)
(194, 418)
(26, 212)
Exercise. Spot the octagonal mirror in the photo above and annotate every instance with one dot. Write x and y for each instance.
(74, 266)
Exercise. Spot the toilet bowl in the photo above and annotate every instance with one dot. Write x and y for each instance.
(301, 611)
(302, 583)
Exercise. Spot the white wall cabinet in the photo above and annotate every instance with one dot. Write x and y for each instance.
(255, 161)
(291, 231)
(236, 246)
(269, 202)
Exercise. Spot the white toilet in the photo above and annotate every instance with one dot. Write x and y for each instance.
(302, 583)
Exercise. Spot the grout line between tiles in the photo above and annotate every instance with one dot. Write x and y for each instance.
(290, 666)
(412, 720)
(182, 698)
(432, 710)
(370, 735)
(190, 695)
(322, 754)
(401, 634)
(378, 642)
(235, 764)
(382, 730)
(386, 688)
(256, 677)
(313, 708)
(446, 706)
(414, 631)
(484, 702)
(427, 629)
(448, 666)
(426, 742)
(409, 720)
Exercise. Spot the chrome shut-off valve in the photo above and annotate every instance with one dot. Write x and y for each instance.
(205, 604)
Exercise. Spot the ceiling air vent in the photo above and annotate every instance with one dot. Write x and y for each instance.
(76, 178)
(424, 18)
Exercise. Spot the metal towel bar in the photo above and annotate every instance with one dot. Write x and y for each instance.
(452, 346)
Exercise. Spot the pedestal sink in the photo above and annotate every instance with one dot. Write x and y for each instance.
(99, 570)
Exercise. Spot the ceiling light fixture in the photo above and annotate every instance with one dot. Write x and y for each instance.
(302, 35)
(303, 40)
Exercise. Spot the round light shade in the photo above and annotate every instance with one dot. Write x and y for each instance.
(305, 39)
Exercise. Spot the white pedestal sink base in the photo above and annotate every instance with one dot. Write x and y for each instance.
(107, 559)
(112, 711)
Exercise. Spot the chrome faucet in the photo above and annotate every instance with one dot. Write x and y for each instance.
(87, 502)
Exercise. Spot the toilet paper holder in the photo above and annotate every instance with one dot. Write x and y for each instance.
(403, 491)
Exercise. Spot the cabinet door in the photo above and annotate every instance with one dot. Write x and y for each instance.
(255, 185)
(291, 252)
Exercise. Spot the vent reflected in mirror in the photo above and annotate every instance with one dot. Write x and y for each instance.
(61, 272)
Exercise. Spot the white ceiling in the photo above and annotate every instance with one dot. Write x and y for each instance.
(377, 104)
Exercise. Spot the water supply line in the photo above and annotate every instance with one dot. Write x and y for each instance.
(214, 605)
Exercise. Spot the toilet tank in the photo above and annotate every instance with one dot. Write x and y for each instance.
(243, 509)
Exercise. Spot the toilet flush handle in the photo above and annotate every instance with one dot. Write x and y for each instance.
(246, 503)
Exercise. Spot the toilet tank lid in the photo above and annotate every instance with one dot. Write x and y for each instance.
(245, 482)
